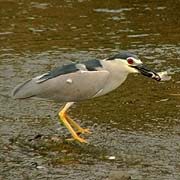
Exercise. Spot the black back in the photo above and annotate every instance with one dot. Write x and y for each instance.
(90, 65)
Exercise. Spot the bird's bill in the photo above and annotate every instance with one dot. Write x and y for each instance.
(147, 72)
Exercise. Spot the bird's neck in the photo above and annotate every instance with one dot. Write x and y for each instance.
(116, 76)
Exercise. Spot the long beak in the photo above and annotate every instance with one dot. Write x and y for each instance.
(147, 72)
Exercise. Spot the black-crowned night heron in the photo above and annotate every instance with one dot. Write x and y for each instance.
(80, 81)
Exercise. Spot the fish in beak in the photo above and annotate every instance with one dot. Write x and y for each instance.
(148, 72)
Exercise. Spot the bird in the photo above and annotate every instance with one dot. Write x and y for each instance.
(78, 81)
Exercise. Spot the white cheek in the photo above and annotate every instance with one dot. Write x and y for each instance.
(130, 69)
(133, 70)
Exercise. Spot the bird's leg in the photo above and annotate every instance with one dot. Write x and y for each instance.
(76, 125)
(62, 115)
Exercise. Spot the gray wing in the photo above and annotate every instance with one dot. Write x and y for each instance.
(70, 87)
(90, 65)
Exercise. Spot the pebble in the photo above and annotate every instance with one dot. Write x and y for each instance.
(111, 157)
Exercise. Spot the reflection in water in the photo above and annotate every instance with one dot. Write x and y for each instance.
(138, 123)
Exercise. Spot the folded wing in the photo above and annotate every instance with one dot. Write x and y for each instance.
(72, 86)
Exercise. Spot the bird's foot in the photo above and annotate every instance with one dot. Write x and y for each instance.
(83, 131)
(79, 139)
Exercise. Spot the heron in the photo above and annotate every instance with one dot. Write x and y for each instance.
(75, 82)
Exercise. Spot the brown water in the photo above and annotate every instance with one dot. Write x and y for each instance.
(139, 123)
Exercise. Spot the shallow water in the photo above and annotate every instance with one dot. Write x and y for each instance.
(138, 123)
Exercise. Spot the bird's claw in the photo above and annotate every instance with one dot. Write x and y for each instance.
(79, 139)
(83, 131)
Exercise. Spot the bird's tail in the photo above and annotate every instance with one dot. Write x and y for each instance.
(24, 90)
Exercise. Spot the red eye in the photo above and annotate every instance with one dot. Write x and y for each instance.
(130, 61)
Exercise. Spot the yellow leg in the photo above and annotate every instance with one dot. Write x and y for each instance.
(62, 116)
(76, 125)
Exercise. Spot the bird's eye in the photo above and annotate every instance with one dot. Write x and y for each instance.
(130, 61)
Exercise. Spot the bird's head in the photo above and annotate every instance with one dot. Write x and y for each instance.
(132, 64)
